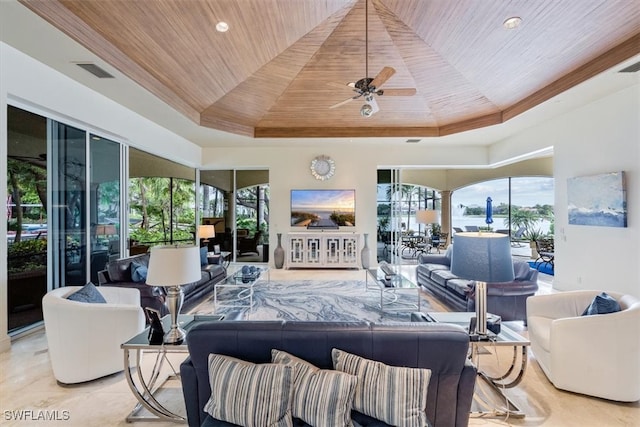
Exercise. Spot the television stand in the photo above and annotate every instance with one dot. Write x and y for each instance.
(323, 249)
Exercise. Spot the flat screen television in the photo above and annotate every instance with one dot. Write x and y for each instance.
(323, 208)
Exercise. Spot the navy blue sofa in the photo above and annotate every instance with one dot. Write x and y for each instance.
(439, 347)
(118, 273)
(505, 299)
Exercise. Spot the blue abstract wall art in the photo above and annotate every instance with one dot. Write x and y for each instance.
(599, 200)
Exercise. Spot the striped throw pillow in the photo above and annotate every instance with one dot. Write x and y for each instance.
(321, 397)
(248, 394)
(393, 394)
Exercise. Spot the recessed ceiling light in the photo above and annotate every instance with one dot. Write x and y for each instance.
(511, 23)
(222, 27)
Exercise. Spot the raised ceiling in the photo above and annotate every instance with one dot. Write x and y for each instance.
(283, 63)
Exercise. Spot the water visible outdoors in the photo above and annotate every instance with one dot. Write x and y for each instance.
(498, 223)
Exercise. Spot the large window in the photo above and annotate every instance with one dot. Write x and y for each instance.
(236, 202)
(518, 202)
(162, 202)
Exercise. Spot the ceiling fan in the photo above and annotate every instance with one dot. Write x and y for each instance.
(368, 87)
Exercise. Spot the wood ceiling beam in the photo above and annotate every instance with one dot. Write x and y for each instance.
(344, 132)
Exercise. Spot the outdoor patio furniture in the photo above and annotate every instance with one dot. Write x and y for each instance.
(439, 242)
(249, 244)
(517, 238)
(413, 245)
(546, 255)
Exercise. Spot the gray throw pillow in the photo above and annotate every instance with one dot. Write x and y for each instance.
(321, 397)
(88, 293)
(249, 394)
(603, 303)
(393, 394)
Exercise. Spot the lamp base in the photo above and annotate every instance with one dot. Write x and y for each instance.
(175, 336)
(481, 308)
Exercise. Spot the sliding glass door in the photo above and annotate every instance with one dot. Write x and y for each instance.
(104, 203)
(63, 211)
(26, 214)
(389, 215)
(69, 204)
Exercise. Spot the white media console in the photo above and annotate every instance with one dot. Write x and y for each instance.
(325, 249)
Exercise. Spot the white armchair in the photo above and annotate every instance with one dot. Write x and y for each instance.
(84, 339)
(595, 355)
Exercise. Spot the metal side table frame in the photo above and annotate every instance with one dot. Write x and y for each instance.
(145, 389)
(498, 383)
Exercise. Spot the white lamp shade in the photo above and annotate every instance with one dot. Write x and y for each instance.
(484, 257)
(206, 231)
(428, 216)
(173, 265)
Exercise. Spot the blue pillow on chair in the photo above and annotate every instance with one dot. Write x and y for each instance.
(602, 304)
(88, 293)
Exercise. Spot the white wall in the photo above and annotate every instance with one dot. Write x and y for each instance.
(601, 137)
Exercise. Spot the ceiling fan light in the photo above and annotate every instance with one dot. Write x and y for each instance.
(371, 100)
(366, 110)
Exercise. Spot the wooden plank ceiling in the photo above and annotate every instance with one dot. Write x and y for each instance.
(283, 63)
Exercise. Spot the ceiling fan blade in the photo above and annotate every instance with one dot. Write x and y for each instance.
(341, 85)
(346, 101)
(406, 91)
(384, 75)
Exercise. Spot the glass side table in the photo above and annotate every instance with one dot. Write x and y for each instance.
(389, 289)
(241, 286)
(146, 388)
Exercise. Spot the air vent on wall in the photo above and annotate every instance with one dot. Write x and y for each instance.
(413, 141)
(95, 70)
(631, 68)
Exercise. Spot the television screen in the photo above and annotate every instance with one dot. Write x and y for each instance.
(323, 208)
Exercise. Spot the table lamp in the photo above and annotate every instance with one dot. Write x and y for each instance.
(172, 267)
(106, 230)
(483, 257)
(427, 216)
(206, 232)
